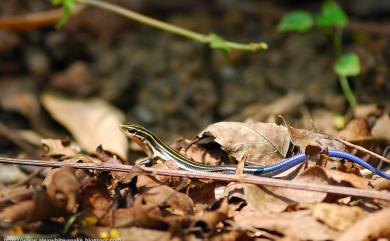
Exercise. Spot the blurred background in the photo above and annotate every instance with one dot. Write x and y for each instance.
(176, 86)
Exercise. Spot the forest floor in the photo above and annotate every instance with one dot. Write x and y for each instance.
(64, 93)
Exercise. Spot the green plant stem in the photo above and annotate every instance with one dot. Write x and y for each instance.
(338, 48)
(348, 91)
(337, 41)
(169, 27)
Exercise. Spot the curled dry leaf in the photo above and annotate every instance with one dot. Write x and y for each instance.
(57, 147)
(92, 122)
(381, 128)
(263, 143)
(336, 216)
(64, 188)
(202, 154)
(299, 225)
(373, 226)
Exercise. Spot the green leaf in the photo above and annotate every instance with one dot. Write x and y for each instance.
(68, 7)
(347, 65)
(300, 21)
(331, 15)
(217, 42)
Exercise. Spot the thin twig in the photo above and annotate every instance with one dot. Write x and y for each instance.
(32, 21)
(360, 148)
(205, 39)
(14, 137)
(348, 191)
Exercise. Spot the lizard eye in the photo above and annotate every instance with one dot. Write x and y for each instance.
(132, 131)
(128, 129)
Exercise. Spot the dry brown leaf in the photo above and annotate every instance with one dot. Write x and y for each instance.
(208, 221)
(365, 111)
(346, 179)
(355, 129)
(199, 153)
(276, 199)
(17, 212)
(82, 158)
(64, 188)
(310, 175)
(373, 226)
(92, 122)
(336, 216)
(31, 136)
(304, 138)
(76, 79)
(19, 96)
(148, 215)
(95, 197)
(202, 191)
(283, 105)
(381, 183)
(257, 198)
(381, 129)
(123, 217)
(108, 158)
(145, 181)
(299, 225)
(39, 208)
(263, 143)
(174, 201)
(16, 194)
(57, 147)
(320, 119)
(11, 174)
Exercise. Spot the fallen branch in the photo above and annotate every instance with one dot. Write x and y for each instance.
(348, 191)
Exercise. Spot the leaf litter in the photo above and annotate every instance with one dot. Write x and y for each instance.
(131, 206)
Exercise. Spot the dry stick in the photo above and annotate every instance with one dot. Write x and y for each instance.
(208, 175)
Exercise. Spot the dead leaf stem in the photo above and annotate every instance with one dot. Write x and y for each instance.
(207, 175)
